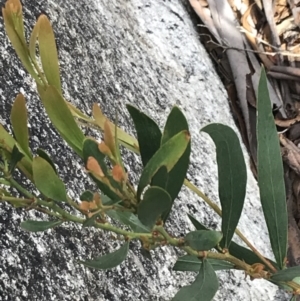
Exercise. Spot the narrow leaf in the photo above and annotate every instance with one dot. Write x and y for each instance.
(235, 250)
(203, 288)
(106, 200)
(270, 174)
(18, 119)
(161, 178)
(117, 144)
(203, 240)
(37, 226)
(129, 219)
(78, 113)
(232, 177)
(287, 274)
(32, 41)
(193, 264)
(13, 20)
(48, 52)
(108, 261)
(247, 255)
(167, 155)
(197, 224)
(62, 118)
(47, 181)
(176, 122)
(148, 133)
(14, 10)
(109, 139)
(155, 201)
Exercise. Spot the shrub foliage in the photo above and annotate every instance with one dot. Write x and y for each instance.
(142, 212)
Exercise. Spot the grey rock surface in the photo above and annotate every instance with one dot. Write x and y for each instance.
(146, 53)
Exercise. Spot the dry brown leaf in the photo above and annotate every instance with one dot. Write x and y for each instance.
(204, 14)
(287, 122)
(294, 5)
(293, 254)
(251, 33)
(290, 154)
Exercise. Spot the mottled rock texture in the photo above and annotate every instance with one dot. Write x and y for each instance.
(146, 53)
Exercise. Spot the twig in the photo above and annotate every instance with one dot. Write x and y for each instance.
(237, 231)
(227, 47)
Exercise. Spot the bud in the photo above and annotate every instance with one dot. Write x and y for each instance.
(104, 149)
(118, 173)
(93, 166)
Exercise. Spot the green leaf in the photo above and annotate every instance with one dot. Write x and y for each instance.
(148, 133)
(107, 201)
(117, 144)
(155, 201)
(287, 274)
(203, 240)
(37, 226)
(235, 250)
(62, 118)
(167, 155)
(90, 149)
(16, 157)
(129, 219)
(270, 174)
(247, 255)
(32, 42)
(203, 288)
(193, 264)
(108, 261)
(41, 153)
(48, 52)
(161, 177)
(232, 177)
(87, 196)
(176, 123)
(18, 119)
(15, 31)
(47, 181)
(196, 224)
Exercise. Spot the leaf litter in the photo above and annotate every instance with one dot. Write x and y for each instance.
(242, 35)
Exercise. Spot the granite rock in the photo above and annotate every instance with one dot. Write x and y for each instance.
(145, 53)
